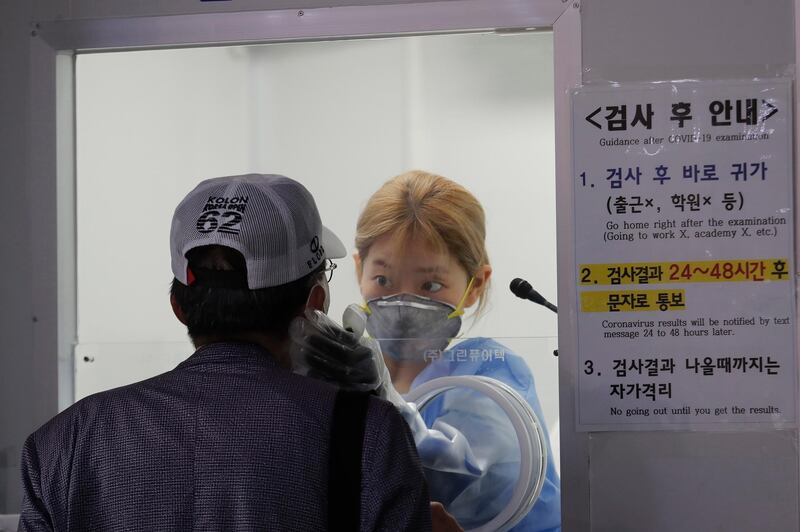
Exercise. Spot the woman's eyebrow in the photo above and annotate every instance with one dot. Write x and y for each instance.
(432, 269)
(380, 263)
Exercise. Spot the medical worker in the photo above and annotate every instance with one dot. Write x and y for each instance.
(421, 262)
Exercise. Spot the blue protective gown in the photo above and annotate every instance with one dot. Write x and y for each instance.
(492, 440)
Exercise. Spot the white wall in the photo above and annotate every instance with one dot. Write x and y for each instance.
(17, 363)
(687, 481)
(342, 117)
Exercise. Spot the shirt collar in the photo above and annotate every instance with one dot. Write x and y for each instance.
(236, 353)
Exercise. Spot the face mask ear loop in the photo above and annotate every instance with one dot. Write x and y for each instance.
(459, 311)
(322, 282)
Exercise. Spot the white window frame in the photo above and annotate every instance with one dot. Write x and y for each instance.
(53, 48)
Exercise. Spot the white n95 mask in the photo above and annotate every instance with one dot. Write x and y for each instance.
(411, 327)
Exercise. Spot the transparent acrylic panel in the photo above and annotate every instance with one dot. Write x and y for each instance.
(342, 118)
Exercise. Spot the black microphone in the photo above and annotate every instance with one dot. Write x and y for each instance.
(523, 289)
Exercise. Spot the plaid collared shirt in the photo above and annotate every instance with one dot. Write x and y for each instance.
(228, 440)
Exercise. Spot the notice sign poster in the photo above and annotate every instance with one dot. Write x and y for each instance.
(684, 253)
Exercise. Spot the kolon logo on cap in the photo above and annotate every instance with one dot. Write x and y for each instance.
(317, 253)
(222, 214)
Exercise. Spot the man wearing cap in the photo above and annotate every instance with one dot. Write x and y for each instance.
(231, 439)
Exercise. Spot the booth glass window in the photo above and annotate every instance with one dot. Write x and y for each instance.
(341, 117)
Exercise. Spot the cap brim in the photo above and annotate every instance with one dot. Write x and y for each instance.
(334, 249)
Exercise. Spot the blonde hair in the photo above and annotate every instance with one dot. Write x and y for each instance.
(439, 210)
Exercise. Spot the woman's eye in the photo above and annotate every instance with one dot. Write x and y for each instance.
(382, 280)
(432, 286)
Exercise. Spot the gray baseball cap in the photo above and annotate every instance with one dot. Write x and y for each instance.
(271, 220)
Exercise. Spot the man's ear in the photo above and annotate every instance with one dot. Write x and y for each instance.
(316, 298)
(478, 285)
(177, 310)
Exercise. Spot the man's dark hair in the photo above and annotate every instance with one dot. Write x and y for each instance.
(220, 311)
